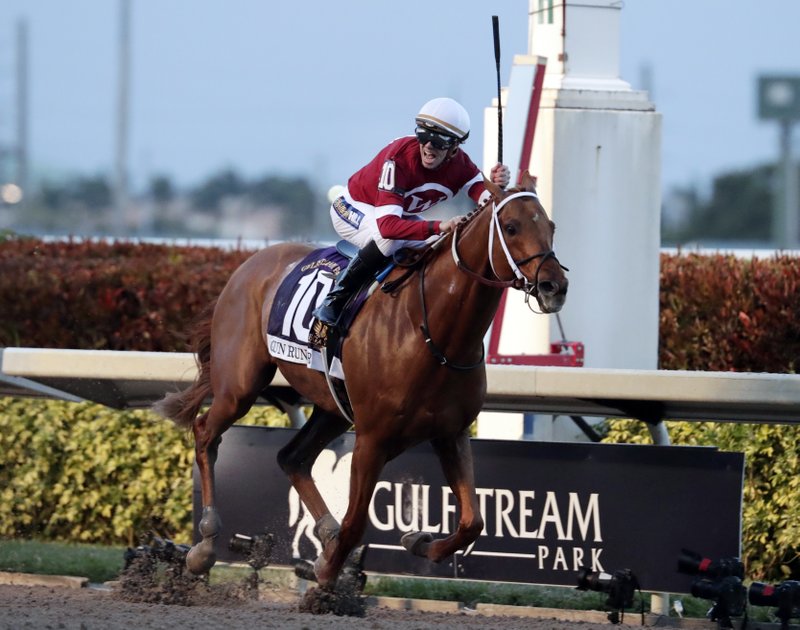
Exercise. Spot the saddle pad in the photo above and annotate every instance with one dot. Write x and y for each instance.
(291, 316)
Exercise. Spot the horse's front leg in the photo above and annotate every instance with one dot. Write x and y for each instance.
(368, 461)
(455, 455)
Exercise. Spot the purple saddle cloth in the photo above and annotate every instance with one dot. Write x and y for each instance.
(298, 295)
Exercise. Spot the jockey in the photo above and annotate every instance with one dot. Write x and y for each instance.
(378, 211)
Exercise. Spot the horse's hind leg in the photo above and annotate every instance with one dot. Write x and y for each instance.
(235, 391)
(455, 455)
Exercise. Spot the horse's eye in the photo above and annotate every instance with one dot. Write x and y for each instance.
(510, 228)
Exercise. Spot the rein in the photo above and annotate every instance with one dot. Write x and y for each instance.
(519, 282)
(426, 331)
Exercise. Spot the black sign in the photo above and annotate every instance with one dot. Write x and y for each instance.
(549, 508)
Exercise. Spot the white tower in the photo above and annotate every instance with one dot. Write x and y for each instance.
(596, 154)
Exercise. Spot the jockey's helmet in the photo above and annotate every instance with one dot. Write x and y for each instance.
(444, 116)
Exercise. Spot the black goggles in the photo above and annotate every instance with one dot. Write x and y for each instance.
(438, 140)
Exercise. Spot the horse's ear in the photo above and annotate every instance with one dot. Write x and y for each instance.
(528, 182)
(496, 191)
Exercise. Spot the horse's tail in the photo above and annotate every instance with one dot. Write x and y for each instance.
(182, 407)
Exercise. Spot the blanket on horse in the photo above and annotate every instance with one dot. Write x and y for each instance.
(290, 318)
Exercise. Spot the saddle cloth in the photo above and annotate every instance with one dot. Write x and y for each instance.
(290, 318)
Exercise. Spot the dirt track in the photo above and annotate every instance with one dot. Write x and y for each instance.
(90, 609)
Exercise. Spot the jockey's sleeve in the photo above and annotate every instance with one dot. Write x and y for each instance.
(393, 227)
(475, 188)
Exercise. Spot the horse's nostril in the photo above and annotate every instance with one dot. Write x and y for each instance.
(548, 288)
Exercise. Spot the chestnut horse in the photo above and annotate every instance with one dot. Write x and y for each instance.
(405, 387)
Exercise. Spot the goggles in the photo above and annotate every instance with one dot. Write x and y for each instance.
(439, 141)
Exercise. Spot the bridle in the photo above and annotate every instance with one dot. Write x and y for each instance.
(520, 281)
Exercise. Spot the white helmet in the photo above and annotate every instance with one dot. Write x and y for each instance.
(446, 116)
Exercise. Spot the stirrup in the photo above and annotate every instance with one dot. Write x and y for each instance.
(318, 335)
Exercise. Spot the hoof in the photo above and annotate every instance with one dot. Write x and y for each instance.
(417, 543)
(304, 569)
(352, 579)
(201, 557)
(322, 602)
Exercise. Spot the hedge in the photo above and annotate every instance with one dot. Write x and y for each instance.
(80, 472)
(716, 312)
(723, 313)
(84, 473)
(106, 296)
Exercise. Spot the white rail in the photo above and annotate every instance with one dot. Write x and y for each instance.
(137, 379)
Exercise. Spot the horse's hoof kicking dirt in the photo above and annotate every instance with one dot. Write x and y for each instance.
(319, 601)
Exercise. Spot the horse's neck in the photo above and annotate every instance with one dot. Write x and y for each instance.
(463, 294)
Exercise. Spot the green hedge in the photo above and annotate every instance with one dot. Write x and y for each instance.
(84, 473)
(81, 472)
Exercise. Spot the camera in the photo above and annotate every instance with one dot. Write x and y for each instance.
(258, 549)
(719, 581)
(620, 586)
(692, 563)
(784, 596)
(728, 593)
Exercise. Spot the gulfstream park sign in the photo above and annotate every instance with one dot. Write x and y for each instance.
(511, 514)
(548, 508)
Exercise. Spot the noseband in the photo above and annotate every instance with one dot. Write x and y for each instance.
(531, 288)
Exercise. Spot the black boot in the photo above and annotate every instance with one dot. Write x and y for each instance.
(365, 264)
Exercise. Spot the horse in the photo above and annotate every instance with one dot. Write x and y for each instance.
(414, 365)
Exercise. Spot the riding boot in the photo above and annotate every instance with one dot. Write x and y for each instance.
(365, 264)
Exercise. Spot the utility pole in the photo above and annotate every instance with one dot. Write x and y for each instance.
(123, 79)
(787, 221)
(779, 99)
(21, 175)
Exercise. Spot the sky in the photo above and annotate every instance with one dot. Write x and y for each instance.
(316, 87)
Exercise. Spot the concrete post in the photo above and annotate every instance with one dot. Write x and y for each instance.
(597, 157)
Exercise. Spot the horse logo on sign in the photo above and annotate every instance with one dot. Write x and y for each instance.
(332, 475)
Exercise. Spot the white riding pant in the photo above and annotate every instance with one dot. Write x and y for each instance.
(355, 222)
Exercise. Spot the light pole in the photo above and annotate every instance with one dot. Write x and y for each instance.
(121, 161)
(779, 99)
